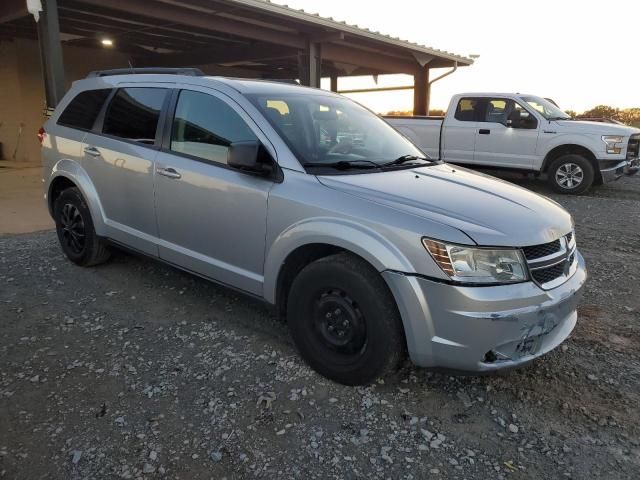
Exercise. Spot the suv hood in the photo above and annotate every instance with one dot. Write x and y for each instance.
(491, 212)
(596, 128)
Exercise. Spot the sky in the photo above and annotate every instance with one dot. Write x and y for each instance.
(579, 53)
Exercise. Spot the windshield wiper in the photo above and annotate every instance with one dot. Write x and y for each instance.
(559, 118)
(345, 164)
(406, 158)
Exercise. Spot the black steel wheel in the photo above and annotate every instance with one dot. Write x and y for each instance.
(75, 230)
(344, 320)
(339, 323)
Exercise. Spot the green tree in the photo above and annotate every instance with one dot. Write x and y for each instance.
(603, 111)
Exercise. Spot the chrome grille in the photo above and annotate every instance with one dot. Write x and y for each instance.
(551, 264)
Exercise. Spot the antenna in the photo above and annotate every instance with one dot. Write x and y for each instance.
(131, 66)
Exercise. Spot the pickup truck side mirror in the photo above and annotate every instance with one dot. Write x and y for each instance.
(251, 157)
(523, 120)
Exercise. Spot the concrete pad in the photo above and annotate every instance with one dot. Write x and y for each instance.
(22, 207)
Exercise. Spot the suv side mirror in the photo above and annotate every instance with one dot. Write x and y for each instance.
(244, 155)
(251, 157)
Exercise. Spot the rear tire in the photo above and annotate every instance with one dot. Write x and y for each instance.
(571, 174)
(344, 320)
(75, 230)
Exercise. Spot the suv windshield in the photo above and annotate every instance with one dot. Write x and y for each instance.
(545, 108)
(333, 131)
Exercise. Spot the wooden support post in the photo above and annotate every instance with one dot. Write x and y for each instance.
(51, 53)
(334, 83)
(421, 91)
(310, 65)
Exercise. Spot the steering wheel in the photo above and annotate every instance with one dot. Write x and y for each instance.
(344, 146)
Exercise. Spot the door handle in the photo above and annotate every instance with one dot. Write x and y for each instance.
(484, 131)
(93, 151)
(168, 172)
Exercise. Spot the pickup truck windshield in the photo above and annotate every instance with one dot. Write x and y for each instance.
(336, 132)
(545, 108)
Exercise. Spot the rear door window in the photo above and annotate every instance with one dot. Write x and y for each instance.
(469, 109)
(134, 113)
(83, 110)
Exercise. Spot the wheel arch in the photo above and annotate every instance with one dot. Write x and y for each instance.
(68, 173)
(311, 240)
(575, 149)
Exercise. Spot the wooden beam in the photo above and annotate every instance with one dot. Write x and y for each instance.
(378, 89)
(158, 11)
(219, 56)
(90, 15)
(376, 61)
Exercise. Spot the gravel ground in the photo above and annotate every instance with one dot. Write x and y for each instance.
(136, 370)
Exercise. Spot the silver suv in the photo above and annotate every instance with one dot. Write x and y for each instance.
(309, 201)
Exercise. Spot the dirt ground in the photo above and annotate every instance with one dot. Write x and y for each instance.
(136, 370)
(22, 208)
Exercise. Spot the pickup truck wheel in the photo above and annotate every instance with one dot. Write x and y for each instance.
(571, 173)
(345, 321)
(76, 234)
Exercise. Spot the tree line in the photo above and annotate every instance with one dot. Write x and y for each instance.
(628, 116)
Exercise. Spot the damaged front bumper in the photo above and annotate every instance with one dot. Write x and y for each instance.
(478, 329)
(611, 170)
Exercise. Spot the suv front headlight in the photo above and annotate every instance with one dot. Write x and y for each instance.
(478, 265)
(614, 143)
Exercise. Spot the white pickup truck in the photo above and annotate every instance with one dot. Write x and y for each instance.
(527, 133)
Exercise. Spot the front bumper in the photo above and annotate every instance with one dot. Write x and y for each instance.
(480, 329)
(613, 170)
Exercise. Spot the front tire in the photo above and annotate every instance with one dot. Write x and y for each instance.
(75, 230)
(344, 320)
(572, 174)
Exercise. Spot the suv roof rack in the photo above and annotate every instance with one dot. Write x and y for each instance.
(192, 72)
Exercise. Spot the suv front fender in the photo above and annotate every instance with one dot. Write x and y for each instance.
(353, 237)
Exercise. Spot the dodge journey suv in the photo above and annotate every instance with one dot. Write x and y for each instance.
(370, 249)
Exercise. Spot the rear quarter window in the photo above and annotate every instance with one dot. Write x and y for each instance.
(468, 109)
(83, 110)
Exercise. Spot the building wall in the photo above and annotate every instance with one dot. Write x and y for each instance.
(22, 99)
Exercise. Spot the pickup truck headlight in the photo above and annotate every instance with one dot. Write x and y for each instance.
(614, 143)
(478, 265)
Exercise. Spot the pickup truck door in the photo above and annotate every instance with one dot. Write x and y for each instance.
(460, 130)
(211, 217)
(507, 136)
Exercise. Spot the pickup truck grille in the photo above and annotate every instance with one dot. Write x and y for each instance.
(551, 264)
(633, 150)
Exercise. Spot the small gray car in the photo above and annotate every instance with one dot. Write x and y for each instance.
(312, 203)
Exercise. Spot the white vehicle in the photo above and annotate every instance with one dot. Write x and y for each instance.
(528, 133)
